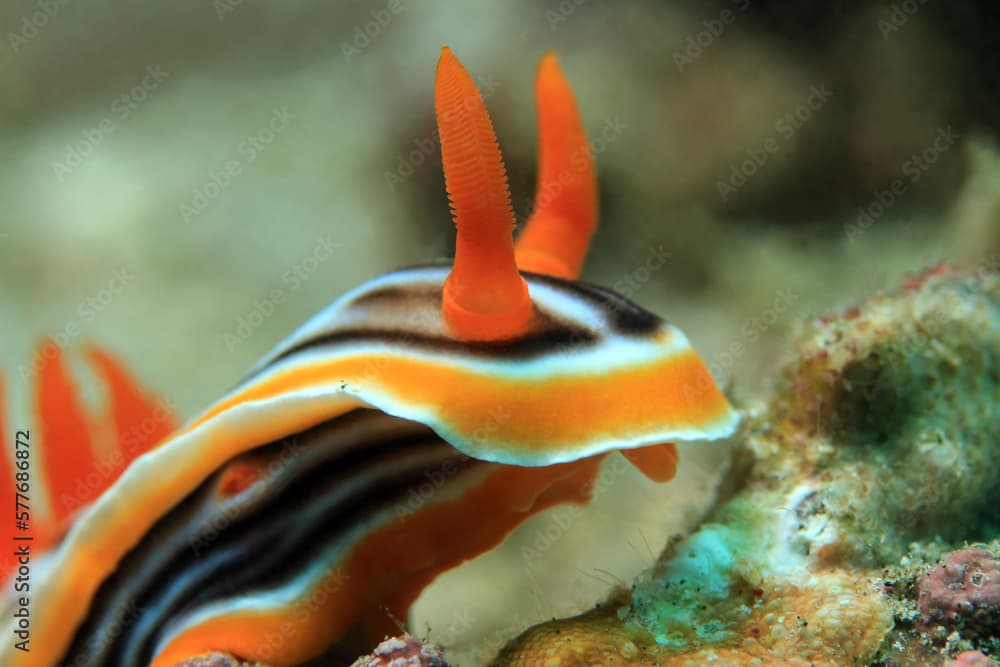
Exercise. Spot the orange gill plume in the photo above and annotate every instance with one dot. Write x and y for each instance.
(66, 460)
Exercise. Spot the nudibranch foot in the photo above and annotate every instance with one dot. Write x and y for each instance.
(353, 516)
(657, 462)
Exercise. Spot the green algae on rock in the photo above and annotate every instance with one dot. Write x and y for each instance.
(877, 451)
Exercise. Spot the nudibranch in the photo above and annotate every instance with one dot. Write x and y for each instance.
(407, 427)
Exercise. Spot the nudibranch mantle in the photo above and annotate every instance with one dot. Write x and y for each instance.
(593, 372)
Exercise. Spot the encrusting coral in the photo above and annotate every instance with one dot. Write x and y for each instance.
(876, 454)
(962, 592)
(402, 651)
(972, 659)
(405, 651)
(213, 660)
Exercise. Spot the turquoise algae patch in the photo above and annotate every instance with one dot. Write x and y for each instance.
(884, 432)
(703, 594)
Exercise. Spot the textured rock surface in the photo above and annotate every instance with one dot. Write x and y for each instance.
(962, 592)
(972, 659)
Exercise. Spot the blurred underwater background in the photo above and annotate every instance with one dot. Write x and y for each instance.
(185, 183)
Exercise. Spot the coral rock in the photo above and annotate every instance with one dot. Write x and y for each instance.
(972, 659)
(594, 639)
(876, 451)
(405, 651)
(962, 592)
(212, 660)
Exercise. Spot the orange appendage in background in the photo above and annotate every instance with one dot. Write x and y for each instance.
(64, 462)
(557, 235)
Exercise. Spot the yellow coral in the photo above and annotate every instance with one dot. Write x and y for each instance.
(596, 638)
(832, 619)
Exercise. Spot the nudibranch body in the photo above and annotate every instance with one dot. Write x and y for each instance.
(408, 427)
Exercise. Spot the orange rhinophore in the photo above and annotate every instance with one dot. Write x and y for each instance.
(485, 296)
(404, 429)
(557, 235)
